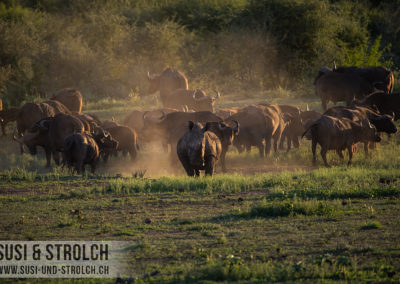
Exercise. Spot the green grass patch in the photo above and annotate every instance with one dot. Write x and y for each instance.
(293, 208)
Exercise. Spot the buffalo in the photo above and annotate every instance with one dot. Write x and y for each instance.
(380, 77)
(199, 149)
(81, 149)
(127, 141)
(30, 113)
(258, 124)
(335, 87)
(166, 82)
(134, 120)
(71, 98)
(382, 123)
(195, 100)
(226, 135)
(294, 128)
(50, 133)
(6, 116)
(382, 102)
(332, 133)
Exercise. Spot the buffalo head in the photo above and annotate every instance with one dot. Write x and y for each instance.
(154, 83)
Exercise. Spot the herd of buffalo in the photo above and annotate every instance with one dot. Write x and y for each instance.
(197, 135)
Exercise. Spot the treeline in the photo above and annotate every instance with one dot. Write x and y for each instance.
(105, 48)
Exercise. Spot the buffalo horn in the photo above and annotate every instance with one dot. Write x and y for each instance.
(19, 140)
(236, 129)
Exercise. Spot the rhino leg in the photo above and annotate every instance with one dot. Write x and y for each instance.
(186, 165)
(210, 165)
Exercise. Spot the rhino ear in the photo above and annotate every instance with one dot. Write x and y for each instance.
(191, 124)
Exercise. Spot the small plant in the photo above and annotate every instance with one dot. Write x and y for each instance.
(371, 226)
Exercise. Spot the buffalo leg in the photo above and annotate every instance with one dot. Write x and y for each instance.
(79, 167)
(248, 148)
(366, 146)
(261, 149)
(340, 154)
(105, 157)
(133, 153)
(267, 146)
(296, 142)
(197, 172)
(350, 150)
(223, 154)
(324, 104)
(289, 144)
(56, 157)
(3, 128)
(48, 157)
(284, 136)
(210, 165)
(323, 155)
(93, 166)
(314, 149)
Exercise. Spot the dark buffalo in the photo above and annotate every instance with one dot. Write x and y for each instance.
(127, 141)
(332, 133)
(195, 100)
(294, 128)
(50, 133)
(335, 87)
(383, 103)
(81, 149)
(30, 113)
(6, 116)
(199, 149)
(383, 123)
(380, 77)
(166, 82)
(226, 135)
(71, 98)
